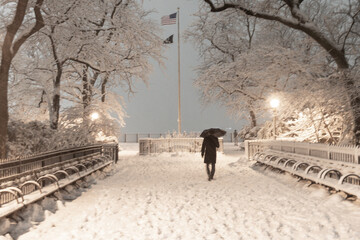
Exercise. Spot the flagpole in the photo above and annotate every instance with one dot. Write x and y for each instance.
(179, 106)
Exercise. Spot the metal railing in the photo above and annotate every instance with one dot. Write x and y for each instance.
(19, 166)
(21, 176)
(111, 150)
(159, 145)
(134, 137)
(337, 167)
(349, 154)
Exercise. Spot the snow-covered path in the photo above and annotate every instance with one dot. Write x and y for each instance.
(168, 197)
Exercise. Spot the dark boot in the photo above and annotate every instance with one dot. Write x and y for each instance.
(208, 171)
(212, 171)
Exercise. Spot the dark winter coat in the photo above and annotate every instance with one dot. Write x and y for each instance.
(208, 149)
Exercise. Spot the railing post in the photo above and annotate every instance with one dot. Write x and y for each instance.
(294, 145)
(246, 145)
(19, 168)
(117, 153)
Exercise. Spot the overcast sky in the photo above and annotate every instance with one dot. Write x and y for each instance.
(154, 109)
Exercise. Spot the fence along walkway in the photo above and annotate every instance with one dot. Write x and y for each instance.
(134, 137)
(337, 167)
(349, 154)
(159, 145)
(48, 172)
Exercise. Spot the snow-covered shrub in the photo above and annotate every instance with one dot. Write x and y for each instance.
(35, 137)
(79, 123)
(28, 138)
(184, 134)
(248, 133)
(304, 129)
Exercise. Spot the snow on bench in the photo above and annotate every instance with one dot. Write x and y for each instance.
(26, 180)
(23, 200)
(340, 176)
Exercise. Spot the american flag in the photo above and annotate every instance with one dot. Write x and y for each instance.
(168, 19)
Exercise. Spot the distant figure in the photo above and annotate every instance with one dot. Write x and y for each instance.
(236, 138)
(208, 149)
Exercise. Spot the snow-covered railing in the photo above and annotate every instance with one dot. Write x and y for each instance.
(134, 137)
(111, 150)
(336, 175)
(336, 167)
(16, 197)
(159, 145)
(348, 154)
(21, 176)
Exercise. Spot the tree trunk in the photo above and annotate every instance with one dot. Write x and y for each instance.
(9, 50)
(103, 88)
(85, 91)
(55, 103)
(55, 112)
(55, 106)
(6, 58)
(4, 113)
(88, 86)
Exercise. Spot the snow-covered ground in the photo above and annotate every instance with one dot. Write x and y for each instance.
(167, 196)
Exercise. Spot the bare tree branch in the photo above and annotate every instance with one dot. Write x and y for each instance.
(301, 23)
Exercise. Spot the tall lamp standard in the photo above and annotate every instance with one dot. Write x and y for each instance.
(274, 103)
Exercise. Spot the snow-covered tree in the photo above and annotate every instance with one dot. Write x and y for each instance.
(107, 48)
(26, 20)
(221, 41)
(331, 27)
(242, 77)
(83, 53)
(312, 114)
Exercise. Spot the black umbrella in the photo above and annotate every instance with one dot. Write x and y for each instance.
(217, 132)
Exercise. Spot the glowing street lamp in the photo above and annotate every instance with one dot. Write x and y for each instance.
(94, 116)
(274, 103)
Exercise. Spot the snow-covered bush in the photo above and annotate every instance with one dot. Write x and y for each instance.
(248, 133)
(184, 134)
(27, 138)
(303, 129)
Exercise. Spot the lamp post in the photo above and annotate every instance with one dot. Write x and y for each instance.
(274, 103)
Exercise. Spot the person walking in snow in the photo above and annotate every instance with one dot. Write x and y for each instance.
(236, 138)
(208, 149)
